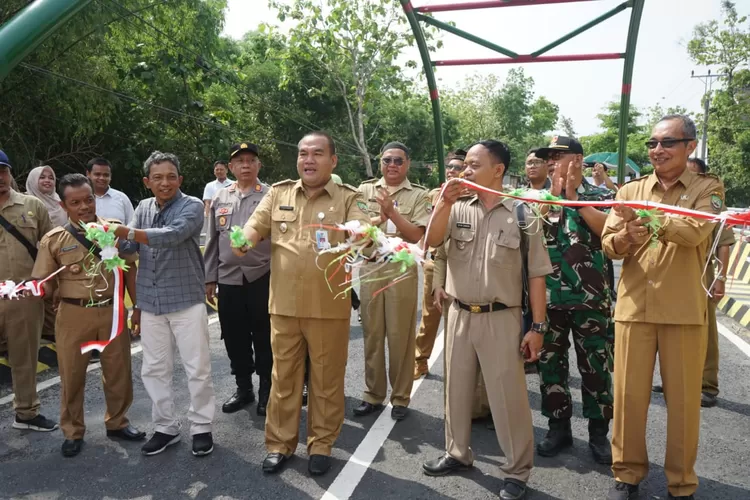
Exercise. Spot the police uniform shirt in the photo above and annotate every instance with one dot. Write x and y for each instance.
(60, 248)
(412, 202)
(29, 215)
(291, 219)
(662, 284)
(229, 208)
(484, 253)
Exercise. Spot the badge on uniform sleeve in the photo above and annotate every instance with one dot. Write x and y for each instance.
(429, 208)
(716, 202)
(362, 205)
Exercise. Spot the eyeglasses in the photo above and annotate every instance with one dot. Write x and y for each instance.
(666, 143)
(395, 160)
(535, 163)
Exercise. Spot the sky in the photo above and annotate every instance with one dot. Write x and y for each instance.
(662, 72)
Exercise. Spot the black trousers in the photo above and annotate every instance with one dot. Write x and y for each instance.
(246, 324)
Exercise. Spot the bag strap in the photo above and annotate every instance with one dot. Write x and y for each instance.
(523, 225)
(21, 238)
(83, 241)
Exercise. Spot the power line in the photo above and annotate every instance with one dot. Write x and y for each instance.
(202, 63)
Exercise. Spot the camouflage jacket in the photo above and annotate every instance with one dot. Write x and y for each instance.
(579, 279)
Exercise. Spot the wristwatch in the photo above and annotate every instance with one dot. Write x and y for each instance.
(542, 327)
(131, 234)
(721, 278)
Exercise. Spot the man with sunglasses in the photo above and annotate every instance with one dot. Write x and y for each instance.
(430, 322)
(661, 309)
(402, 209)
(579, 301)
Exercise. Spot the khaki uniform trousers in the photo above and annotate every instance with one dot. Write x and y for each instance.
(493, 341)
(21, 326)
(711, 368)
(680, 348)
(430, 322)
(326, 341)
(74, 326)
(391, 315)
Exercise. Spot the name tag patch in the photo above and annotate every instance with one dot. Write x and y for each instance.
(286, 208)
(68, 249)
(463, 225)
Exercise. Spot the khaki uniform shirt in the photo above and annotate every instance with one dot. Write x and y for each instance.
(663, 284)
(60, 248)
(412, 202)
(290, 219)
(230, 207)
(30, 217)
(484, 253)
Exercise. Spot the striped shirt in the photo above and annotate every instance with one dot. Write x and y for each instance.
(171, 275)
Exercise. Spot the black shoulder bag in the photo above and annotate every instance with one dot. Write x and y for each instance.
(89, 245)
(525, 302)
(17, 235)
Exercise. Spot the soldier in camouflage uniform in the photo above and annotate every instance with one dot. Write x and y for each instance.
(579, 299)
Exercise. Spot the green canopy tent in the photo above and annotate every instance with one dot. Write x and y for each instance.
(611, 161)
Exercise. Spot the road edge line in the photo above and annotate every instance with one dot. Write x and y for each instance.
(92, 367)
(734, 339)
(351, 475)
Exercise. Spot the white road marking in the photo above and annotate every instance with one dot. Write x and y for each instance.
(93, 366)
(354, 470)
(734, 339)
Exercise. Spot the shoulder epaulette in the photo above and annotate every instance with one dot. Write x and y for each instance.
(637, 179)
(418, 186)
(710, 175)
(349, 187)
(370, 181)
(55, 230)
(284, 182)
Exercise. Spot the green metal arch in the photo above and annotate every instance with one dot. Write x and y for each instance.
(413, 15)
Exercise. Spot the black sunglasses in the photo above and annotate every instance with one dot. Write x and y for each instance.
(666, 143)
(395, 160)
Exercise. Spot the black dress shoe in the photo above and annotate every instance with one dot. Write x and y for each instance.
(707, 401)
(657, 388)
(399, 412)
(600, 446)
(239, 400)
(443, 465)
(318, 464)
(623, 491)
(366, 408)
(71, 447)
(128, 433)
(274, 462)
(684, 497)
(513, 490)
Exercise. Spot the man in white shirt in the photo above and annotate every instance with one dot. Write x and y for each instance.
(110, 203)
(220, 171)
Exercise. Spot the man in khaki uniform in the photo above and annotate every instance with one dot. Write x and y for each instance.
(485, 249)
(430, 321)
(305, 317)
(726, 239)
(21, 320)
(402, 209)
(661, 308)
(85, 315)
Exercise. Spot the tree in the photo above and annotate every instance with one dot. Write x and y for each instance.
(609, 139)
(726, 43)
(566, 125)
(351, 47)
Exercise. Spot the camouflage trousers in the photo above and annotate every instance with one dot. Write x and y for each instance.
(593, 337)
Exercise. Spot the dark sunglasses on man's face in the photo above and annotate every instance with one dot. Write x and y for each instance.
(666, 143)
(396, 161)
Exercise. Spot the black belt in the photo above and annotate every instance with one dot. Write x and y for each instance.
(481, 308)
(87, 303)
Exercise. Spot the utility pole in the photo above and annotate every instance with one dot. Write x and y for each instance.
(708, 81)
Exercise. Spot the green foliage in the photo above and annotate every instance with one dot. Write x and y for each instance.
(609, 139)
(726, 43)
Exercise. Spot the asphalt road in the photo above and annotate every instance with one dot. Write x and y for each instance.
(31, 466)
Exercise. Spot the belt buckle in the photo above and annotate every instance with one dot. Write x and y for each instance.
(475, 308)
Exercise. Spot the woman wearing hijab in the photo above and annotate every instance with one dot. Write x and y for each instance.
(41, 184)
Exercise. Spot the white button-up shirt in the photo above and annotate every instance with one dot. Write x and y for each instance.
(213, 187)
(114, 204)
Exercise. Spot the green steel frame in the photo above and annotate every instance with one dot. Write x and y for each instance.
(35, 22)
(415, 15)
